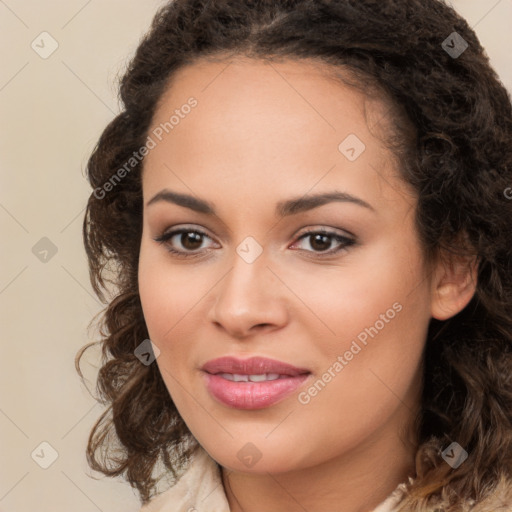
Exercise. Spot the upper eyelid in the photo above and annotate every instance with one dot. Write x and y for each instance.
(184, 229)
(314, 228)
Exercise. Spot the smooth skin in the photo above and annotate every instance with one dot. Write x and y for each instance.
(262, 134)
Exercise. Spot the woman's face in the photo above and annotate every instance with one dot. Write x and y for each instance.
(251, 156)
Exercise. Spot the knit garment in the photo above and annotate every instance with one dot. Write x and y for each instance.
(200, 489)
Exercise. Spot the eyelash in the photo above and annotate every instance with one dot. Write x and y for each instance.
(343, 240)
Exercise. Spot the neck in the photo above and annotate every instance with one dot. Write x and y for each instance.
(356, 481)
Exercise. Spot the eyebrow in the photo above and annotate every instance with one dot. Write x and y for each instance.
(283, 208)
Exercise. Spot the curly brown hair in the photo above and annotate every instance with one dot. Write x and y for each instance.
(459, 160)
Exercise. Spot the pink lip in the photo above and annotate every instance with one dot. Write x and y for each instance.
(252, 395)
(252, 366)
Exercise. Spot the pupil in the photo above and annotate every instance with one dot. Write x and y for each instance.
(322, 246)
(189, 239)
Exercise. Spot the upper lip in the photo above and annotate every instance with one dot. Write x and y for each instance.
(251, 366)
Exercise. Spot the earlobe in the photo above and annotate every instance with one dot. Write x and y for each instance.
(453, 286)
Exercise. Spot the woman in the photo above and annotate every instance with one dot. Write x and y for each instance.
(303, 210)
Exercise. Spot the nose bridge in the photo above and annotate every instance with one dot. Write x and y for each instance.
(248, 295)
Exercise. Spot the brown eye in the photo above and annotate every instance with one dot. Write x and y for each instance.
(191, 240)
(321, 242)
(185, 242)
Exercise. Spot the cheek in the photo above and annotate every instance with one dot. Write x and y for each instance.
(167, 292)
(380, 316)
(162, 298)
(373, 364)
(166, 297)
(371, 294)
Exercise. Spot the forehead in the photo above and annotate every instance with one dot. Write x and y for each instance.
(255, 122)
(302, 94)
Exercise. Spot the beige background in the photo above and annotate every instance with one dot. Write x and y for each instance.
(51, 112)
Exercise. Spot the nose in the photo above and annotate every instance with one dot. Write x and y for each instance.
(249, 299)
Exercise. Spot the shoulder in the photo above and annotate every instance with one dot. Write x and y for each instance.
(499, 500)
(496, 499)
(199, 489)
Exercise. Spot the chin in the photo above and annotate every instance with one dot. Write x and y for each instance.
(256, 459)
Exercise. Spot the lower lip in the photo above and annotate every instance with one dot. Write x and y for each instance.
(252, 395)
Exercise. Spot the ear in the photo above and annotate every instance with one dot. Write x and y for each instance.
(453, 285)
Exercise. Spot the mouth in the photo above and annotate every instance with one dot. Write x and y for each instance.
(254, 366)
(253, 383)
(239, 377)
